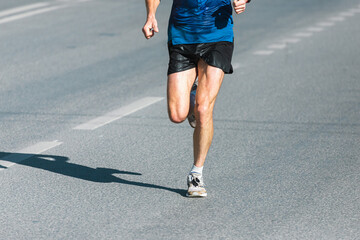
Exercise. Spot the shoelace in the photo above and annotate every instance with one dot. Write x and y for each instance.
(196, 181)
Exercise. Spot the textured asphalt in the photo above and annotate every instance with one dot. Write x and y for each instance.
(285, 159)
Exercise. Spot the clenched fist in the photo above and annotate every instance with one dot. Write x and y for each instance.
(239, 5)
(150, 27)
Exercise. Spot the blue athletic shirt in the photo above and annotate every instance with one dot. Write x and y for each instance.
(200, 21)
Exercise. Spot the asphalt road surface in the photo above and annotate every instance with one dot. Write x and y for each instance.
(87, 150)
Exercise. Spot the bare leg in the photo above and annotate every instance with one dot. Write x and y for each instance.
(178, 94)
(210, 79)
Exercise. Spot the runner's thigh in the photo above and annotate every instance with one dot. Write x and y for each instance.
(210, 79)
(178, 92)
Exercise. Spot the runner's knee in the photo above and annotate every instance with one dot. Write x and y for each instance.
(177, 116)
(204, 113)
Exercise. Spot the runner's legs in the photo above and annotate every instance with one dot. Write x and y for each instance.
(178, 95)
(209, 83)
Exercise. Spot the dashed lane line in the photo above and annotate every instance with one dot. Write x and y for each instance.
(303, 34)
(26, 153)
(315, 29)
(336, 19)
(25, 11)
(277, 46)
(14, 158)
(347, 14)
(263, 52)
(23, 8)
(118, 113)
(291, 40)
(29, 14)
(236, 65)
(308, 32)
(325, 24)
(355, 10)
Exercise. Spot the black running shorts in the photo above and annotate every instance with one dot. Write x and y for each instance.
(186, 56)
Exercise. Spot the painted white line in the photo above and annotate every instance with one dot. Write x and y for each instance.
(73, 1)
(14, 158)
(337, 19)
(346, 14)
(303, 34)
(315, 29)
(277, 46)
(291, 40)
(236, 65)
(263, 52)
(118, 113)
(23, 8)
(355, 10)
(29, 14)
(325, 24)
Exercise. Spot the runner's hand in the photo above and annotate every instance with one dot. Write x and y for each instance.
(239, 6)
(150, 28)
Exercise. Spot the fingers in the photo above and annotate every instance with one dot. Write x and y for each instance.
(239, 6)
(150, 28)
(156, 29)
(148, 32)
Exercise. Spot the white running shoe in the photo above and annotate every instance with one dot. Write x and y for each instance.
(196, 186)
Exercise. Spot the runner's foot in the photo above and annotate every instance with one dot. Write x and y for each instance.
(191, 117)
(196, 186)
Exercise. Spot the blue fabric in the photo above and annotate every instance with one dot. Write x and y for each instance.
(200, 21)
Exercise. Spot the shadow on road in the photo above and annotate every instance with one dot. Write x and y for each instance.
(61, 165)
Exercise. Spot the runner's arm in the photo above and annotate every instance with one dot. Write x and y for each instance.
(151, 26)
(240, 5)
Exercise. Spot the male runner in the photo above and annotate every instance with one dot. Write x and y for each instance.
(200, 44)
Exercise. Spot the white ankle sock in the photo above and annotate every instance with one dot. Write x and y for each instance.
(196, 169)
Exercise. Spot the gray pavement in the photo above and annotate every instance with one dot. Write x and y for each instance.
(284, 163)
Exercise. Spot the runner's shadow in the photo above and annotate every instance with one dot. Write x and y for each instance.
(61, 165)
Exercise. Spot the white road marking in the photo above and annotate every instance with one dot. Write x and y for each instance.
(291, 40)
(263, 52)
(325, 24)
(355, 10)
(346, 14)
(315, 29)
(23, 8)
(303, 34)
(336, 19)
(236, 65)
(118, 113)
(26, 153)
(29, 14)
(73, 1)
(277, 46)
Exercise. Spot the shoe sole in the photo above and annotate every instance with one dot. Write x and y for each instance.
(196, 194)
(192, 120)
